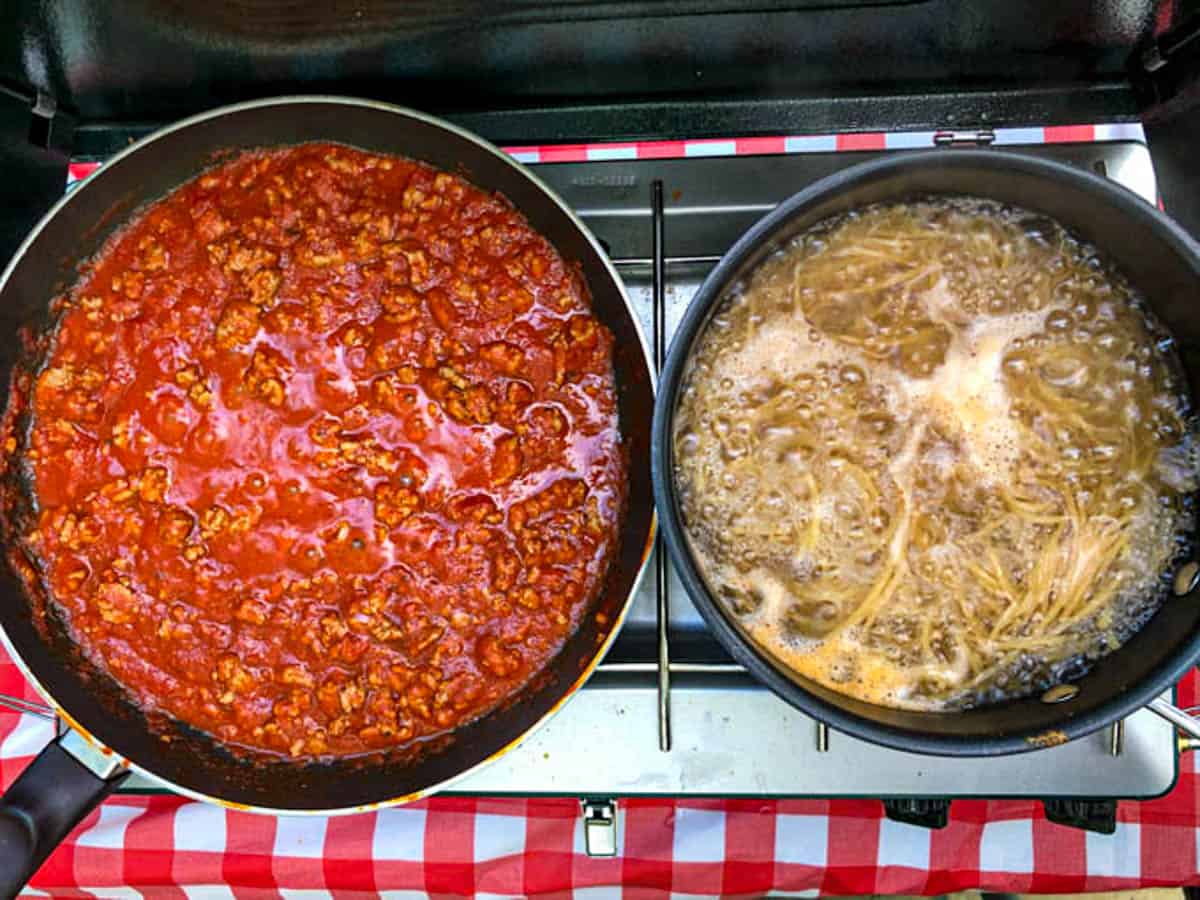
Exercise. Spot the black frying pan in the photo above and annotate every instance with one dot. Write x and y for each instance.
(108, 736)
(1157, 257)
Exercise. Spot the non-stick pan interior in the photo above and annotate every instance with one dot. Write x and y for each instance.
(79, 227)
(1155, 255)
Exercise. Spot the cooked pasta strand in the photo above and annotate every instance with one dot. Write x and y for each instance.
(941, 444)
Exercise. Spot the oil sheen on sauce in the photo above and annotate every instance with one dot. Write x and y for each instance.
(935, 454)
(324, 452)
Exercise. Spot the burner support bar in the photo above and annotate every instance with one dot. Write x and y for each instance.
(661, 575)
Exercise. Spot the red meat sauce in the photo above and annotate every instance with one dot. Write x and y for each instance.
(325, 453)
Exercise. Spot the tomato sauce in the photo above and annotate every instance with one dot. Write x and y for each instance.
(325, 453)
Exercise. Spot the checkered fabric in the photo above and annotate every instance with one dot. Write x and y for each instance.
(814, 143)
(165, 846)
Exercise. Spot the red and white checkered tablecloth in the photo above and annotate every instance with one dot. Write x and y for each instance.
(166, 846)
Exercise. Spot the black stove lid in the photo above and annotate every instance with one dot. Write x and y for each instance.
(155, 60)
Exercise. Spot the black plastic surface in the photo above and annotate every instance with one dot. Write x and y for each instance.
(836, 110)
(1099, 816)
(1173, 142)
(1164, 67)
(39, 810)
(921, 811)
(130, 60)
(33, 167)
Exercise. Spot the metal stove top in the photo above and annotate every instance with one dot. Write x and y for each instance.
(669, 712)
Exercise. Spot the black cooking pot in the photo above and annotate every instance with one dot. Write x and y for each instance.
(1157, 257)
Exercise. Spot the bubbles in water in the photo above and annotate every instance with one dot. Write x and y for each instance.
(919, 438)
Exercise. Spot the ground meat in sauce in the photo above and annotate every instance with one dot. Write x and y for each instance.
(325, 452)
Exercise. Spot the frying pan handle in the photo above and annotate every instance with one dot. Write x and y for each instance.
(1181, 719)
(69, 779)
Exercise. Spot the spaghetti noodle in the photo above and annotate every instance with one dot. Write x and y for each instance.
(935, 454)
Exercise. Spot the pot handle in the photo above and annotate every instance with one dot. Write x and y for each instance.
(1181, 719)
(66, 781)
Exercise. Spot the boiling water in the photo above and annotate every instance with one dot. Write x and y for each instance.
(935, 454)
